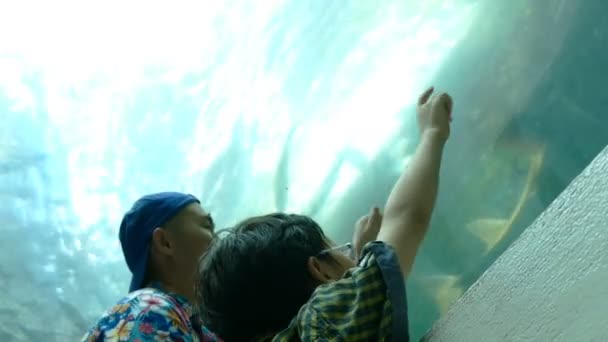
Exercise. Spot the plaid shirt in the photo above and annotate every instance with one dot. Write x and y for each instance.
(368, 304)
(150, 314)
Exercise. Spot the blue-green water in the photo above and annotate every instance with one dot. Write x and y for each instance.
(258, 106)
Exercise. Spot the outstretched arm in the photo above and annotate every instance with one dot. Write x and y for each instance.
(410, 205)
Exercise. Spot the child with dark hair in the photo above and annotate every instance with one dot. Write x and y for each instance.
(279, 278)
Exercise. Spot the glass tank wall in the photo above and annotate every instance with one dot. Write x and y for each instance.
(257, 106)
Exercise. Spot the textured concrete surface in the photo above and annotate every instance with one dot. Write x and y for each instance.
(552, 283)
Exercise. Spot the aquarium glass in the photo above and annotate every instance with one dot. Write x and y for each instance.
(304, 106)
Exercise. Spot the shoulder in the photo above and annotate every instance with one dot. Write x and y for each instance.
(376, 272)
(145, 313)
(145, 304)
(148, 299)
(369, 301)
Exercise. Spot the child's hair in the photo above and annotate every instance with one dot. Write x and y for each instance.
(253, 280)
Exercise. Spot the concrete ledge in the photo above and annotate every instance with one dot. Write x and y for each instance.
(552, 283)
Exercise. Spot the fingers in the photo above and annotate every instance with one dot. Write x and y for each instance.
(375, 218)
(375, 212)
(443, 101)
(425, 96)
(362, 222)
(448, 102)
(449, 105)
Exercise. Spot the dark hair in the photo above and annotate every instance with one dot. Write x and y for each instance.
(253, 280)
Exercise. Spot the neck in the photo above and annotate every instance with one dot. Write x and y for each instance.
(188, 293)
(178, 286)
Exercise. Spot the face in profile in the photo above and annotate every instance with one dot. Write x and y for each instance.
(186, 237)
(332, 263)
(195, 230)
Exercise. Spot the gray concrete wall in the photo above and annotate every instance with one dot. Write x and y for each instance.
(552, 283)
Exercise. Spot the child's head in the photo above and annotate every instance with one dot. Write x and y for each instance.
(254, 280)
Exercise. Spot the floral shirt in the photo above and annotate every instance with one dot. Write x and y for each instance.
(150, 314)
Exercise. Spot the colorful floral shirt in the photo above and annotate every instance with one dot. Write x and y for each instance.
(368, 304)
(150, 314)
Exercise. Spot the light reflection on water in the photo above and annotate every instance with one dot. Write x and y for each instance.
(303, 106)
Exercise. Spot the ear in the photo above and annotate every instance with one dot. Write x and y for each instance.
(318, 270)
(161, 241)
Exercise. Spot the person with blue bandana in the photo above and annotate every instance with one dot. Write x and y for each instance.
(162, 238)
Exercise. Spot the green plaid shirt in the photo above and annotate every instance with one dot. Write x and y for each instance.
(368, 304)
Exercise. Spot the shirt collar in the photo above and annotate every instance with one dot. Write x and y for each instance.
(179, 299)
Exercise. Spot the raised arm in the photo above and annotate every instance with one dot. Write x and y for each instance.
(410, 205)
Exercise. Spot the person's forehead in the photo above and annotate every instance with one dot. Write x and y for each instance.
(194, 210)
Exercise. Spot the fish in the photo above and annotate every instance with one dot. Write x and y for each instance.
(491, 230)
(444, 289)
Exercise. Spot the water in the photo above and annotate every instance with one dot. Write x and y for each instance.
(304, 106)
